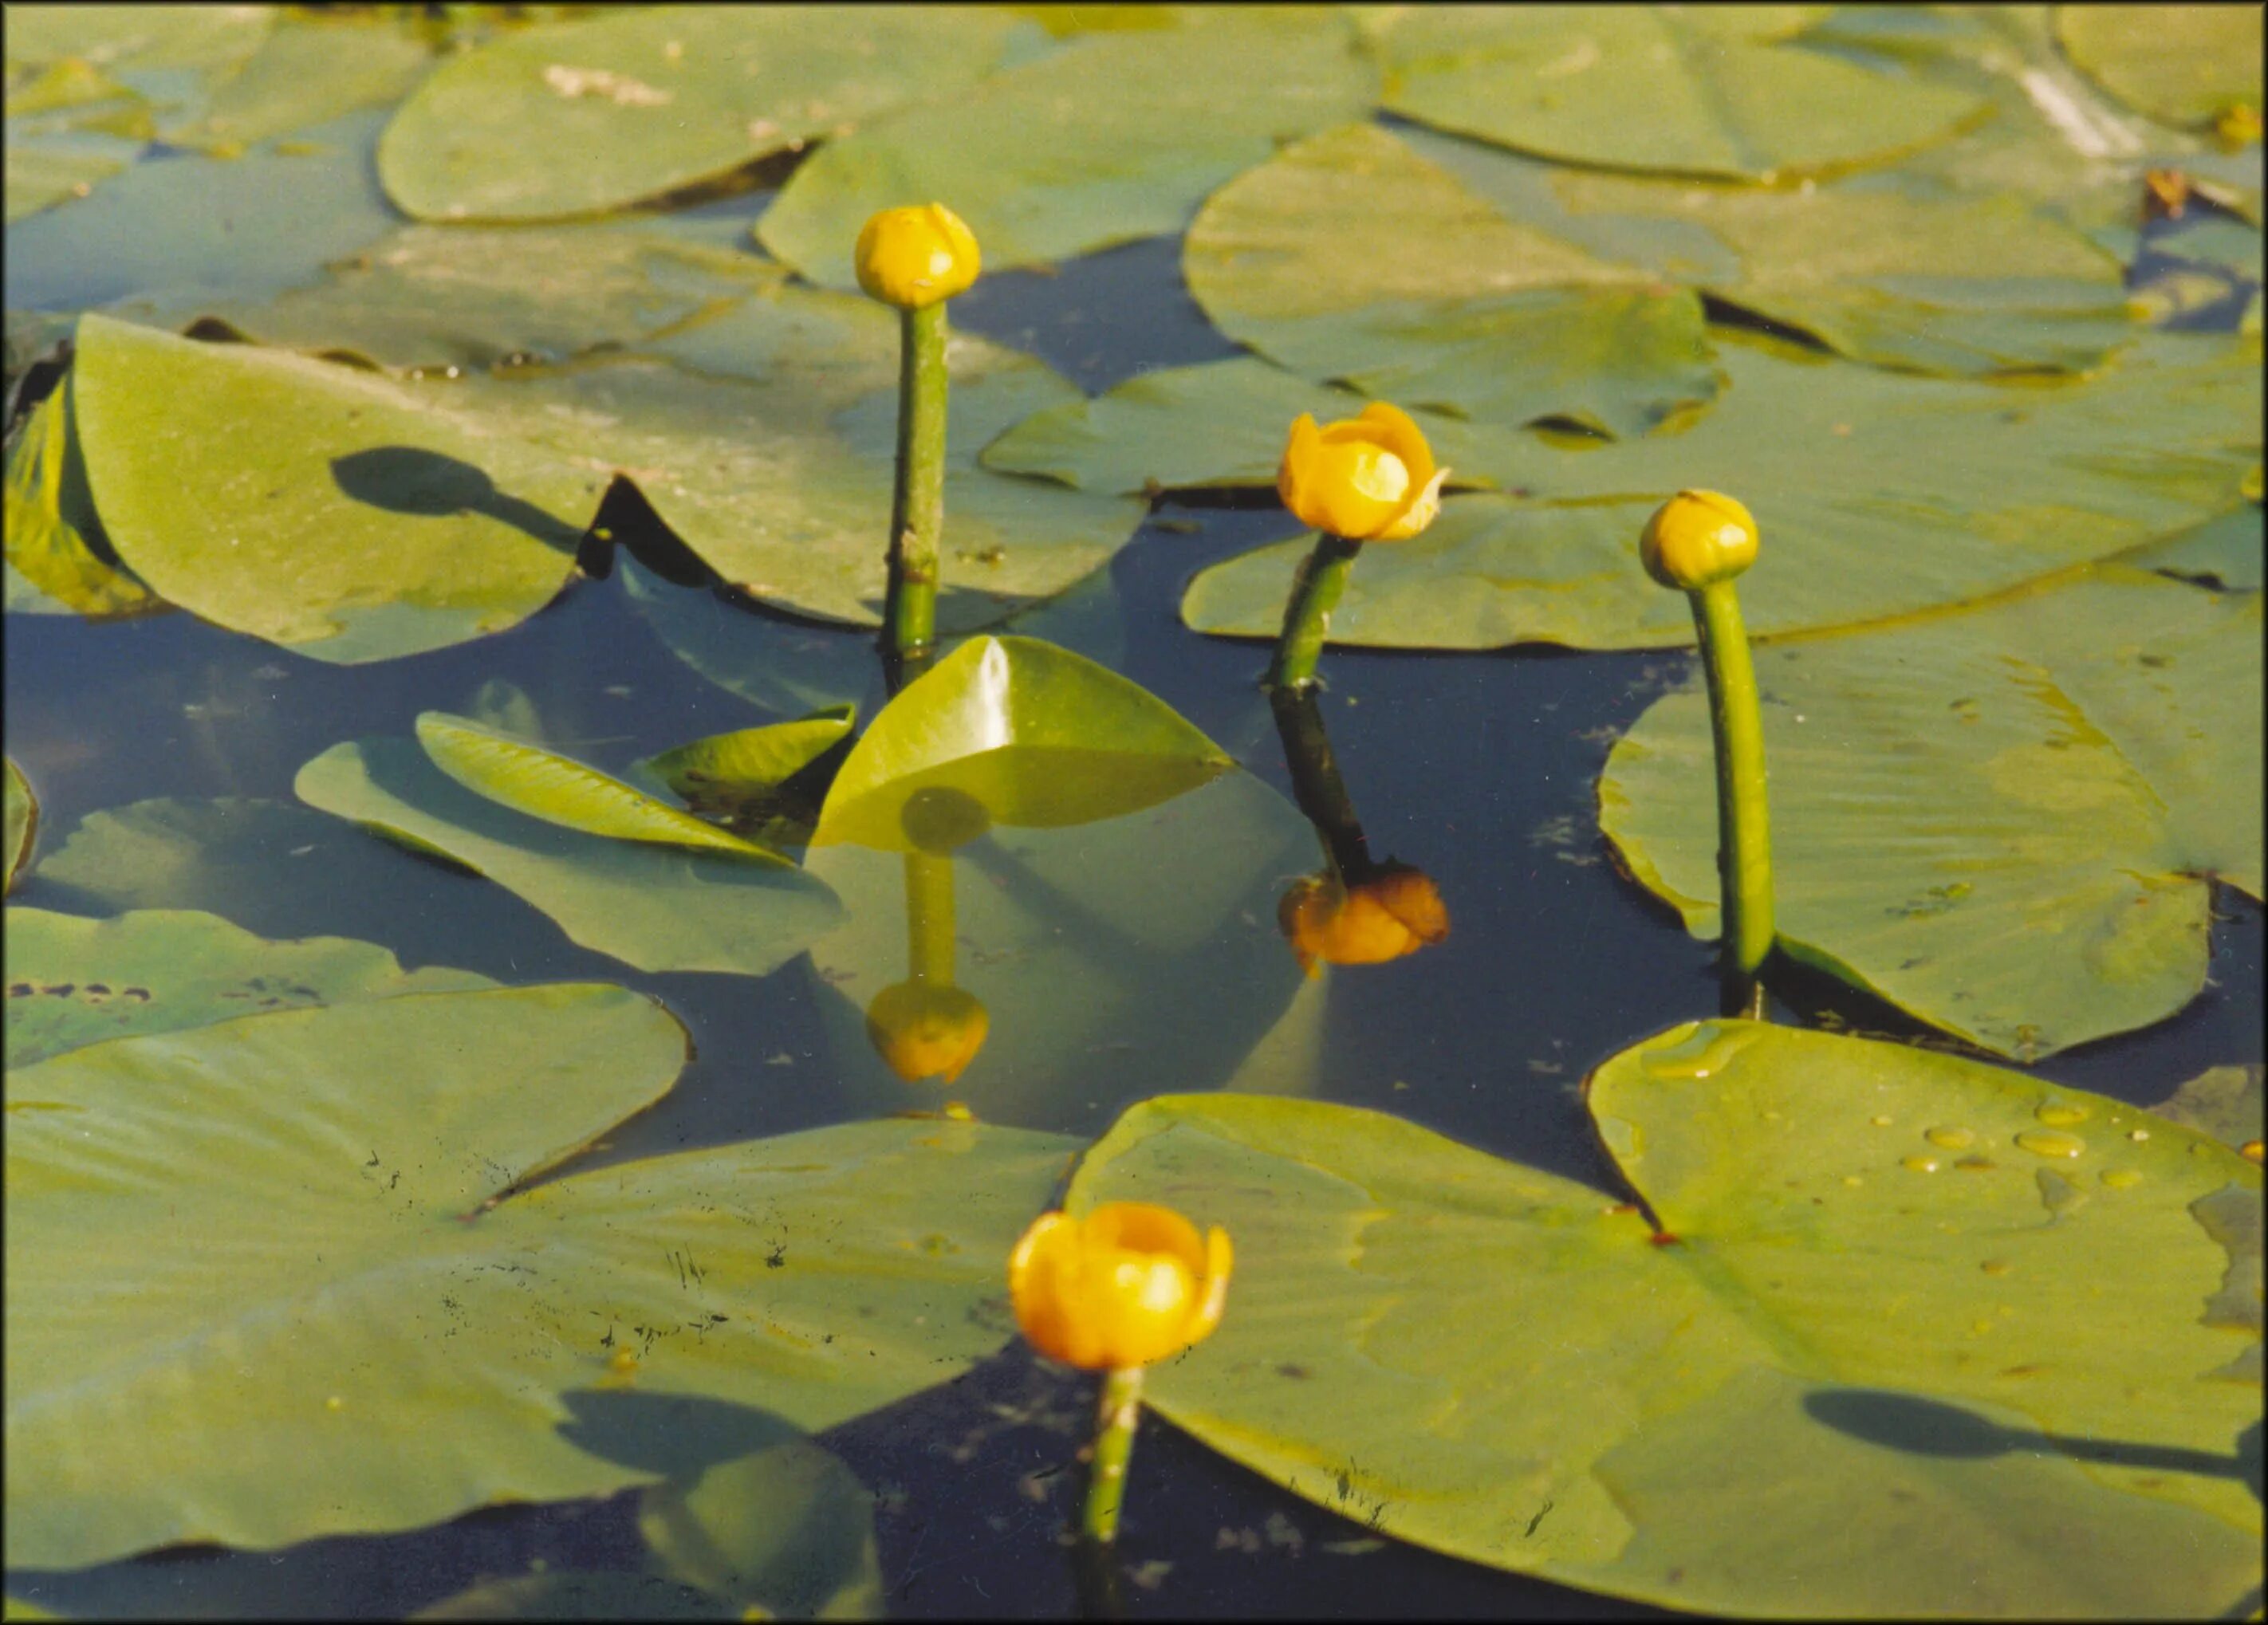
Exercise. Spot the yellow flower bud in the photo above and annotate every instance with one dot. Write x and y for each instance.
(1384, 916)
(1698, 538)
(1368, 479)
(926, 1029)
(1128, 1285)
(913, 257)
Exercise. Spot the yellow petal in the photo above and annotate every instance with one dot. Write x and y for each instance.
(1398, 433)
(1422, 510)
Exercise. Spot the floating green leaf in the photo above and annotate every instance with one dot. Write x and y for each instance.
(784, 1532)
(654, 907)
(1110, 138)
(1850, 1386)
(577, 117)
(22, 825)
(1038, 736)
(1694, 92)
(1112, 959)
(41, 176)
(75, 982)
(768, 782)
(305, 73)
(345, 516)
(2001, 821)
(286, 1230)
(48, 519)
(434, 297)
(2224, 552)
(561, 790)
(1217, 423)
(1877, 494)
(1445, 303)
(2185, 66)
(119, 38)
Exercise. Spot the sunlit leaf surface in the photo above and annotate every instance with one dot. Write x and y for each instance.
(2185, 66)
(161, 970)
(1037, 736)
(1877, 495)
(22, 823)
(52, 569)
(657, 908)
(1107, 139)
(1865, 1378)
(2000, 821)
(266, 1297)
(1702, 90)
(576, 117)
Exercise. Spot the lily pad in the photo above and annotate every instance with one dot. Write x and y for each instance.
(436, 298)
(1848, 1386)
(657, 908)
(306, 72)
(560, 791)
(74, 982)
(579, 117)
(2019, 481)
(1038, 736)
(2224, 552)
(2185, 66)
(1216, 423)
(53, 568)
(787, 1533)
(766, 783)
(39, 176)
(1696, 92)
(346, 518)
(121, 38)
(1111, 958)
(22, 825)
(1456, 308)
(1112, 138)
(2001, 821)
(308, 1229)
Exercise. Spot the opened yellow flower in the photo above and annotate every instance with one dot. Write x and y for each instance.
(926, 1029)
(1127, 1286)
(913, 257)
(1698, 538)
(1368, 479)
(1395, 911)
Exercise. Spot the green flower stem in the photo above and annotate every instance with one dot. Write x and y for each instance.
(1315, 592)
(917, 507)
(1743, 829)
(928, 917)
(1114, 1443)
(1316, 785)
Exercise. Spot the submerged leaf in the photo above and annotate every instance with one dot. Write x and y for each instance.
(1850, 1386)
(314, 1232)
(786, 1533)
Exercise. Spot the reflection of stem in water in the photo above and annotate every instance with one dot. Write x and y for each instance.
(1316, 784)
(928, 917)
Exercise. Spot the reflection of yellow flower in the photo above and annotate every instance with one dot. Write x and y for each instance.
(1128, 1285)
(915, 257)
(927, 1029)
(1368, 479)
(1396, 911)
(1698, 538)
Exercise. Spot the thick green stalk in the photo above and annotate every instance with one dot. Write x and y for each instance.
(1315, 592)
(928, 917)
(1744, 830)
(1114, 1443)
(917, 507)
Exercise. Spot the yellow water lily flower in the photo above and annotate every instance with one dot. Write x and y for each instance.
(1128, 1285)
(913, 257)
(926, 1029)
(1698, 538)
(1368, 479)
(1384, 916)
